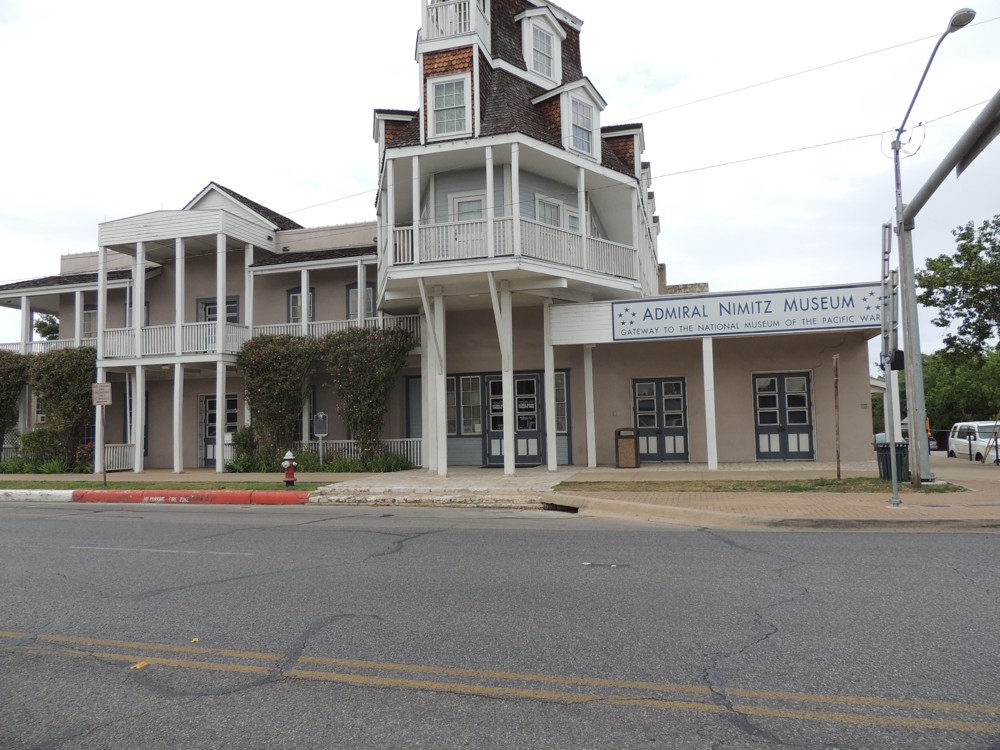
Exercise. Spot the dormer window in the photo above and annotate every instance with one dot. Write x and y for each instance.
(450, 101)
(541, 45)
(583, 126)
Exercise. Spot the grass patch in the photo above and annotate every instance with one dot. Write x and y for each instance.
(13, 484)
(849, 485)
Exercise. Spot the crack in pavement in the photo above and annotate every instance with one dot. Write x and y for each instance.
(400, 541)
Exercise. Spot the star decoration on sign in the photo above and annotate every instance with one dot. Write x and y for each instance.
(627, 316)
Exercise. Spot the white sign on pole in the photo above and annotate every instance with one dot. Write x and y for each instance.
(100, 394)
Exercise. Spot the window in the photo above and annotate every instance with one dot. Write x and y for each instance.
(450, 99)
(37, 409)
(208, 311)
(295, 304)
(352, 301)
(561, 399)
(541, 53)
(583, 127)
(451, 406)
(128, 315)
(88, 327)
(548, 212)
(472, 409)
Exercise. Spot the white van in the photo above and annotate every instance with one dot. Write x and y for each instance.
(982, 440)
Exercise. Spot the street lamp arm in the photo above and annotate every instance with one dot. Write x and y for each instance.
(899, 130)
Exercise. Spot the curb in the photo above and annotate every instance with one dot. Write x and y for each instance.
(36, 496)
(192, 497)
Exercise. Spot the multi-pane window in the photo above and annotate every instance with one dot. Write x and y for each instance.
(451, 406)
(541, 53)
(449, 107)
(88, 327)
(352, 301)
(561, 401)
(583, 126)
(549, 212)
(208, 311)
(472, 408)
(295, 305)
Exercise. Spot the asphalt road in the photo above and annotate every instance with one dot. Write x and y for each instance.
(317, 627)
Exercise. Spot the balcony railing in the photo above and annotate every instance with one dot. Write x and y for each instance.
(119, 457)
(468, 240)
(446, 18)
(409, 447)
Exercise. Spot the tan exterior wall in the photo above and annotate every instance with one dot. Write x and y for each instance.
(325, 238)
(271, 293)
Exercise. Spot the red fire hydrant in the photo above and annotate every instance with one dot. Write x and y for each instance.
(289, 465)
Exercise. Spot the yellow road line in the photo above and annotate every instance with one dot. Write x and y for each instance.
(774, 695)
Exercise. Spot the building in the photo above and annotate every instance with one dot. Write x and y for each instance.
(518, 235)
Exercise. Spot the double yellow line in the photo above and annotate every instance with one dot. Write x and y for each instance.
(910, 714)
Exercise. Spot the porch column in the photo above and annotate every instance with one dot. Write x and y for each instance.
(248, 287)
(139, 417)
(304, 296)
(389, 207)
(549, 387)
(139, 295)
(220, 297)
(99, 427)
(708, 373)
(220, 417)
(178, 418)
(507, 378)
(581, 207)
(362, 294)
(416, 209)
(441, 384)
(515, 195)
(428, 404)
(102, 299)
(635, 233)
(490, 203)
(588, 392)
(77, 317)
(179, 296)
(26, 315)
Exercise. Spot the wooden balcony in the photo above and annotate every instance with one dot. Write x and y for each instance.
(444, 19)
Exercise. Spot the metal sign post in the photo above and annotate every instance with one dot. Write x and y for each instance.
(321, 428)
(100, 395)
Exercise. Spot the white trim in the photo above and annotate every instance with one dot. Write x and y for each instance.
(432, 82)
(464, 195)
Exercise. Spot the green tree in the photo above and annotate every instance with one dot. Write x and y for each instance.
(47, 326)
(961, 385)
(965, 287)
(13, 378)
(62, 379)
(365, 363)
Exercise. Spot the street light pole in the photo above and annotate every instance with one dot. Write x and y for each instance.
(916, 409)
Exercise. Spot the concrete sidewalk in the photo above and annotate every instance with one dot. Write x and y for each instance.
(979, 508)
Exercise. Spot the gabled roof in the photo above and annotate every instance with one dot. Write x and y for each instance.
(279, 221)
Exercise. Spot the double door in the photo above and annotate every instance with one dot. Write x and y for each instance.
(783, 416)
(528, 418)
(660, 417)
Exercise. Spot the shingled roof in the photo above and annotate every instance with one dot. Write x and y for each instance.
(315, 256)
(281, 222)
(68, 279)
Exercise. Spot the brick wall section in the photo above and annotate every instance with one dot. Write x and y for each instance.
(623, 147)
(445, 63)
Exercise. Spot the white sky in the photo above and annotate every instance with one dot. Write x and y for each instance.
(115, 107)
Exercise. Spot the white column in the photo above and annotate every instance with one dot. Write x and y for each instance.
(99, 427)
(515, 195)
(362, 294)
(139, 415)
(588, 392)
(507, 378)
(102, 299)
(26, 321)
(248, 287)
(416, 209)
(389, 218)
(179, 296)
(441, 384)
(220, 417)
(178, 418)
(581, 207)
(549, 387)
(77, 318)
(490, 203)
(636, 244)
(220, 296)
(139, 296)
(304, 297)
(428, 395)
(708, 373)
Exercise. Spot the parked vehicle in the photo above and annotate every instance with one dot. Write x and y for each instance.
(973, 440)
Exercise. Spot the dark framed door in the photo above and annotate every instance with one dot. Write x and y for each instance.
(783, 416)
(660, 416)
(208, 409)
(528, 418)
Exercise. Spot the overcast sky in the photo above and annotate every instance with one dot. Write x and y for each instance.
(113, 108)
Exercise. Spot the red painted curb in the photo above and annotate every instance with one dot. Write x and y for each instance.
(193, 497)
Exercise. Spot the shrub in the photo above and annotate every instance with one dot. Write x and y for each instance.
(13, 378)
(62, 378)
(39, 446)
(13, 466)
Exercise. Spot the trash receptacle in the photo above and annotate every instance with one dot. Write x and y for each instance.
(627, 448)
(883, 453)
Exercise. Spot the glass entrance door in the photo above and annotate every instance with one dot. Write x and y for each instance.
(783, 410)
(660, 413)
(528, 442)
(208, 409)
